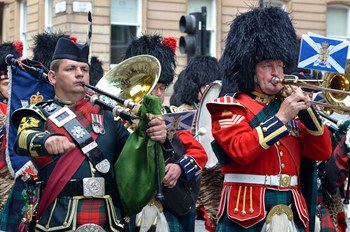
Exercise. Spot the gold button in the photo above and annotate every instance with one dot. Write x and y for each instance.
(281, 153)
(185, 157)
(195, 166)
(264, 129)
(251, 211)
(282, 165)
(191, 161)
(243, 213)
(278, 143)
(235, 210)
(261, 124)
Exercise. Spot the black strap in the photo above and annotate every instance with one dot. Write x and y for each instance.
(63, 116)
(266, 113)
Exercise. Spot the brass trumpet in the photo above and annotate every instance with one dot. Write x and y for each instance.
(335, 88)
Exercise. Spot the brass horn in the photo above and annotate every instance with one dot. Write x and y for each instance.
(341, 82)
(334, 86)
(131, 80)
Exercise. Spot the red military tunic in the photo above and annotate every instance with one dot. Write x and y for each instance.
(267, 151)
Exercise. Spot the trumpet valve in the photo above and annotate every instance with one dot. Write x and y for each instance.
(276, 80)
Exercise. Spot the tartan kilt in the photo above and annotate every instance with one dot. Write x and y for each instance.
(63, 216)
(323, 214)
(272, 198)
(14, 208)
(185, 223)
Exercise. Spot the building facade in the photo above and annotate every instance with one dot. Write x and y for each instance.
(117, 22)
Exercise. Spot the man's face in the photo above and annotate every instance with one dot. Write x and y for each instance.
(265, 70)
(68, 80)
(4, 88)
(159, 91)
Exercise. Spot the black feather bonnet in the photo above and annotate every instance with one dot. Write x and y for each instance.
(44, 46)
(5, 49)
(154, 45)
(200, 71)
(257, 35)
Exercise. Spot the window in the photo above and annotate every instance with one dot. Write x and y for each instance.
(23, 26)
(196, 6)
(125, 26)
(48, 15)
(338, 22)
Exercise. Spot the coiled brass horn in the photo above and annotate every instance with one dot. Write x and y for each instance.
(334, 86)
(132, 79)
(340, 82)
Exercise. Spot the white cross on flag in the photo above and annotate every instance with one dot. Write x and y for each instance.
(322, 53)
(180, 120)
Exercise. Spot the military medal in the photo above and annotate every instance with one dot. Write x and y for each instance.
(97, 124)
(294, 127)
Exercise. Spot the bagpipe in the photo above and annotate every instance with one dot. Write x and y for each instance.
(128, 82)
(138, 175)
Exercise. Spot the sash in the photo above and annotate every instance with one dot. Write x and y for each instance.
(64, 117)
(60, 176)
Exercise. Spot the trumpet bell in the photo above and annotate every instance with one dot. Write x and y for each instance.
(340, 82)
(132, 79)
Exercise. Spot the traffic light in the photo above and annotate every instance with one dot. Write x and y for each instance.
(189, 24)
(194, 24)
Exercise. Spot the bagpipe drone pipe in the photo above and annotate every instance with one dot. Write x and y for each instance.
(28, 84)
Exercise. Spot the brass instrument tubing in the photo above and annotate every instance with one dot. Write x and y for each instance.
(345, 109)
(276, 80)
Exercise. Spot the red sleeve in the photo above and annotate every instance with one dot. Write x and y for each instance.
(193, 147)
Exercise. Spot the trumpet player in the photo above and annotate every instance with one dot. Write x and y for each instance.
(260, 137)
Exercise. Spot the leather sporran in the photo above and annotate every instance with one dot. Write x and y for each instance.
(180, 199)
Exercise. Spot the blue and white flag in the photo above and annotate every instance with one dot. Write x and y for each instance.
(322, 53)
(24, 89)
(179, 121)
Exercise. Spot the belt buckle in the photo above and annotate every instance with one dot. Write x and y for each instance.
(90, 227)
(285, 180)
(94, 186)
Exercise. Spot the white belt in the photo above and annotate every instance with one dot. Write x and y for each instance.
(282, 180)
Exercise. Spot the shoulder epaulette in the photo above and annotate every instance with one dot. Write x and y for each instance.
(226, 100)
(18, 114)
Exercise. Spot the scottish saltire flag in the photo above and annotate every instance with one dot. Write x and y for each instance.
(179, 121)
(25, 88)
(322, 53)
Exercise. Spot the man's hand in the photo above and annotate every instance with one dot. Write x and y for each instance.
(173, 172)
(58, 145)
(157, 130)
(296, 101)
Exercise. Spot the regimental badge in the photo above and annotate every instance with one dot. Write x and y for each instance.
(97, 124)
(294, 127)
(50, 107)
(36, 98)
(78, 132)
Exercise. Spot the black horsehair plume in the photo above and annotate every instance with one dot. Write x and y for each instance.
(89, 33)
